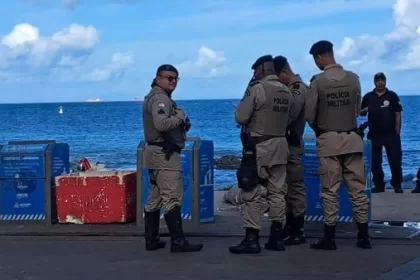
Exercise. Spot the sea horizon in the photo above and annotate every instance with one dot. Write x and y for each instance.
(139, 101)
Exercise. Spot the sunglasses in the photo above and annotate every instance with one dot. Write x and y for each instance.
(171, 78)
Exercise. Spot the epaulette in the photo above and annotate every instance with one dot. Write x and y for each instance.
(313, 78)
(253, 83)
(352, 73)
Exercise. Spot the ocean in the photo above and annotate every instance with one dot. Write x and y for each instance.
(109, 132)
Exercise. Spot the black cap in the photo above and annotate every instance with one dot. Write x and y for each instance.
(279, 63)
(379, 76)
(321, 47)
(167, 67)
(261, 60)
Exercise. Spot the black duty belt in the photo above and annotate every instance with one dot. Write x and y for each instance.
(167, 147)
(249, 142)
(319, 132)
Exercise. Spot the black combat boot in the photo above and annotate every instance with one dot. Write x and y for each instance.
(275, 240)
(379, 188)
(398, 189)
(298, 232)
(328, 241)
(249, 245)
(287, 230)
(151, 228)
(179, 244)
(363, 238)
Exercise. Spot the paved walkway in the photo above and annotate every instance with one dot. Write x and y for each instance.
(124, 258)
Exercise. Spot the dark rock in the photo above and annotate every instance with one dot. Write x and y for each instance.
(227, 162)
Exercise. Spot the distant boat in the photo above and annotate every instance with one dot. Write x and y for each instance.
(60, 110)
(93, 100)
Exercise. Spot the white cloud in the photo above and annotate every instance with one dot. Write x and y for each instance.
(113, 71)
(77, 37)
(397, 50)
(25, 51)
(26, 55)
(24, 45)
(98, 75)
(209, 63)
(21, 34)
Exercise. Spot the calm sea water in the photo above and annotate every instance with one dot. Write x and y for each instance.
(110, 131)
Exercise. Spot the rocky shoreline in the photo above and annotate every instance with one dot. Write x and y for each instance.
(227, 162)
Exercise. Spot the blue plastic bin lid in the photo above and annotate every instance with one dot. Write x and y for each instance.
(24, 149)
(189, 145)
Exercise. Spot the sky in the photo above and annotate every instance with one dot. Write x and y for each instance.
(74, 50)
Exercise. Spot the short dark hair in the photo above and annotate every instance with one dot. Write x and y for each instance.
(262, 60)
(166, 67)
(379, 76)
(280, 63)
(321, 47)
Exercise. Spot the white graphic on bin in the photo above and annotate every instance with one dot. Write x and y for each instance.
(319, 203)
(208, 177)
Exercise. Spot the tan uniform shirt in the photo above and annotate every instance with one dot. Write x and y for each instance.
(274, 151)
(342, 107)
(159, 117)
(297, 117)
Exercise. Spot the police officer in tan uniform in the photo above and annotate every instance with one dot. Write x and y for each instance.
(165, 133)
(296, 194)
(263, 114)
(332, 107)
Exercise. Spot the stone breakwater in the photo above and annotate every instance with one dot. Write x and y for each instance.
(227, 162)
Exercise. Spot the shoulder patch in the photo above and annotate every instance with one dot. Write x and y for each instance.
(295, 92)
(161, 105)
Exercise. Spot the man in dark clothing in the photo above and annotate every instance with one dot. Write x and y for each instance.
(417, 188)
(384, 117)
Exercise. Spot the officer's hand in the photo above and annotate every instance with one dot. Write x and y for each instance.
(364, 111)
(180, 114)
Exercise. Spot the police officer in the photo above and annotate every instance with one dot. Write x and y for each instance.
(331, 109)
(263, 114)
(384, 119)
(165, 133)
(296, 193)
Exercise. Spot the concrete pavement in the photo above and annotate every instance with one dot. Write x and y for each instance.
(124, 258)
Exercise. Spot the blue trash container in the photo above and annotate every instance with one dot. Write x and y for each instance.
(27, 172)
(314, 211)
(197, 182)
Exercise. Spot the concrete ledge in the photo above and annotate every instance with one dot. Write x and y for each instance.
(224, 226)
